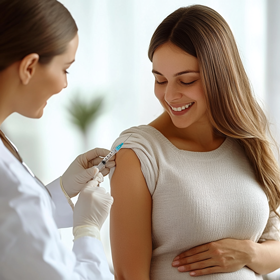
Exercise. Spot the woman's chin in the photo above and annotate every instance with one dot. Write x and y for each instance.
(36, 115)
(40, 114)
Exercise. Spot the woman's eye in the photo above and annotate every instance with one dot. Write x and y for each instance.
(160, 83)
(188, 83)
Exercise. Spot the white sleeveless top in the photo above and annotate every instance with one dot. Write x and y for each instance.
(198, 197)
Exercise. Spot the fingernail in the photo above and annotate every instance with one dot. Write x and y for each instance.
(192, 273)
(181, 268)
(177, 258)
(175, 263)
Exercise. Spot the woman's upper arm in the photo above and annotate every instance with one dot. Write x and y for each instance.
(272, 229)
(130, 219)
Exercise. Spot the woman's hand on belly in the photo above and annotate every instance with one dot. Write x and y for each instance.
(226, 255)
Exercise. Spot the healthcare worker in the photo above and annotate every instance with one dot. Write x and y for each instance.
(38, 44)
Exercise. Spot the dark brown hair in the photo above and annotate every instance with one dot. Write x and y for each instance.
(33, 26)
(233, 110)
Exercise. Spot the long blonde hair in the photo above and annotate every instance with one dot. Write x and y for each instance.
(233, 109)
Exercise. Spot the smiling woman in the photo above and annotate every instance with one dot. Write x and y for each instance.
(179, 90)
(47, 80)
(201, 190)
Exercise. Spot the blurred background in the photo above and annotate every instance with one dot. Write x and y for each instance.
(112, 70)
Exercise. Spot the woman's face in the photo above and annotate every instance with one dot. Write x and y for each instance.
(178, 86)
(48, 79)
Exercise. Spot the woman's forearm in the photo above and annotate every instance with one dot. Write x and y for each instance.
(265, 257)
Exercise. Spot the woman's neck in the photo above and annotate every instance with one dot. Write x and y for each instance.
(200, 138)
(8, 88)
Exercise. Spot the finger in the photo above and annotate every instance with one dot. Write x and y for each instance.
(105, 171)
(99, 177)
(91, 173)
(108, 198)
(193, 251)
(86, 175)
(110, 164)
(207, 271)
(197, 265)
(192, 259)
(95, 161)
(95, 153)
(102, 193)
(91, 185)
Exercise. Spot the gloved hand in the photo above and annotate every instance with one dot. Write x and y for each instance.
(93, 205)
(82, 170)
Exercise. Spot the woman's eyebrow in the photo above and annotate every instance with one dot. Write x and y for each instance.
(177, 74)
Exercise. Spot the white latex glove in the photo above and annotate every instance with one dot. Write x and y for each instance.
(93, 205)
(82, 170)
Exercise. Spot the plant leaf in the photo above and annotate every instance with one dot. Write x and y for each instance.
(83, 113)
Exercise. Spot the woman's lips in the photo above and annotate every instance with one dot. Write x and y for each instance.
(180, 110)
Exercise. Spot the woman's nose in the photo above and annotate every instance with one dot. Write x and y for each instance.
(172, 92)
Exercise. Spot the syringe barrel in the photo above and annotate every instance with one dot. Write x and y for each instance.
(109, 155)
(102, 164)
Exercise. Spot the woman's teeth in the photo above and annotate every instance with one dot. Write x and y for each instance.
(179, 109)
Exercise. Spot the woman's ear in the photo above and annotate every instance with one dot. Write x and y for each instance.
(27, 67)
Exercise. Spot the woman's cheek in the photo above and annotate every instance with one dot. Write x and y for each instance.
(159, 93)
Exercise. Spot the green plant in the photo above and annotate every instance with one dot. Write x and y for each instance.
(84, 112)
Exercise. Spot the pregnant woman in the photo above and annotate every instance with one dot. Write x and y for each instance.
(196, 191)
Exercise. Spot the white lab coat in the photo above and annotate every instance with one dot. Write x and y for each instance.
(30, 245)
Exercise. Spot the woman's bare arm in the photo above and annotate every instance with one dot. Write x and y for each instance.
(130, 219)
(266, 257)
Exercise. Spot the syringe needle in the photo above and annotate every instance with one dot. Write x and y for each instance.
(127, 138)
(101, 165)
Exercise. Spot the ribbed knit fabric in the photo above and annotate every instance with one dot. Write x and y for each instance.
(198, 197)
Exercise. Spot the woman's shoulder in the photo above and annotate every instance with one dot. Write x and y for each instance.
(143, 137)
(144, 141)
(141, 130)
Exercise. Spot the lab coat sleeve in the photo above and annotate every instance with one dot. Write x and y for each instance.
(90, 253)
(63, 213)
(30, 245)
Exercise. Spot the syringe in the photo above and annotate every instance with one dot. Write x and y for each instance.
(102, 164)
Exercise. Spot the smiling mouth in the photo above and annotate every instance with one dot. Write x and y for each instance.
(179, 109)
